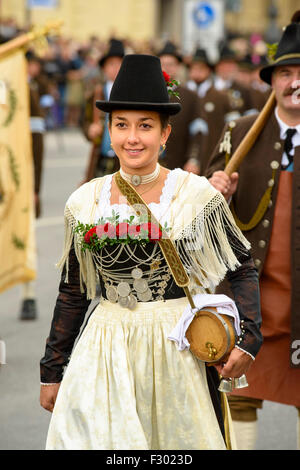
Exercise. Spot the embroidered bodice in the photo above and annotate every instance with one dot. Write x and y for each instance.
(134, 273)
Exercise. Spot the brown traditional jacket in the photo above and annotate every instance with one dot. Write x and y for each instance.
(182, 144)
(259, 171)
(91, 113)
(239, 97)
(215, 107)
(258, 97)
(37, 140)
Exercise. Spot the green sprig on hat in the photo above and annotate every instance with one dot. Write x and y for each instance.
(272, 49)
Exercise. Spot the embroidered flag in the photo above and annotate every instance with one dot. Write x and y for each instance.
(17, 238)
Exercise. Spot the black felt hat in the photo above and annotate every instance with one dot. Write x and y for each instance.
(288, 50)
(253, 61)
(170, 49)
(140, 85)
(116, 49)
(226, 53)
(200, 55)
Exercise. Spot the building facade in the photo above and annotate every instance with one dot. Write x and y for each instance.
(142, 19)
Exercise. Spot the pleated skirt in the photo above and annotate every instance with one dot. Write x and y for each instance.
(127, 387)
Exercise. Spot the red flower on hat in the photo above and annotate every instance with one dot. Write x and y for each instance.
(166, 77)
(171, 84)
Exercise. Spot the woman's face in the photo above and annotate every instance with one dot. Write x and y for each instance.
(136, 137)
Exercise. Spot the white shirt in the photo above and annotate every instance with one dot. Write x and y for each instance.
(221, 83)
(295, 139)
(200, 89)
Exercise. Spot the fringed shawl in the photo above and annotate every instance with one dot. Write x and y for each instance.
(202, 228)
(204, 232)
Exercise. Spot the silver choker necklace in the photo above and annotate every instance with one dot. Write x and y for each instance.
(136, 180)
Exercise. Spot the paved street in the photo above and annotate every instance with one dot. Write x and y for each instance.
(23, 423)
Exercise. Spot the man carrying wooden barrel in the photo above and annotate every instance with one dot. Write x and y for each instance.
(264, 196)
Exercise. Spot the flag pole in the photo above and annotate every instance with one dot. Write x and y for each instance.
(251, 136)
(24, 39)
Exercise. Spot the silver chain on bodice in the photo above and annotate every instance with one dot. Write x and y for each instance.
(131, 273)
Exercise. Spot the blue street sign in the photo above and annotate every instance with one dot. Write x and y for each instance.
(41, 3)
(203, 14)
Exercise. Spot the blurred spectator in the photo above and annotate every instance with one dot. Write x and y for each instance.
(90, 71)
(185, 142)
(37, 88)
(248, 74)
(214, 104)
(225, 79)
(74, 96)
(8, 29)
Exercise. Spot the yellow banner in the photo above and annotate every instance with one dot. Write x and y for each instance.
(17, 235)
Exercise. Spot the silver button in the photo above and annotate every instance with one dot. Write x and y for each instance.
(274, 165)
(261, 243)
(266, 223)
(271, 183)
(209, 106)
(257, 263)
(277, 146)
(232, 124)
(270, 203)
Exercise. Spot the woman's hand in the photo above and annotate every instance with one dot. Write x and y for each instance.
(225, 184)
(48, 396)
(237, 364)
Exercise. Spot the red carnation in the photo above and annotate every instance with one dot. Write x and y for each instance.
(166, 77)
(89, 235)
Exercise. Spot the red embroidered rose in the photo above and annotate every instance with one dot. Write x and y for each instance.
(122, 230)
(89, 235)
(134, 231)
(166, 77)
(107, 230)
(154, 233)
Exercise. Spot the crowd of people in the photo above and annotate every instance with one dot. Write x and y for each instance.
(73, 69)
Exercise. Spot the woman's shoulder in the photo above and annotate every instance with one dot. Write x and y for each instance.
(86, 193)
